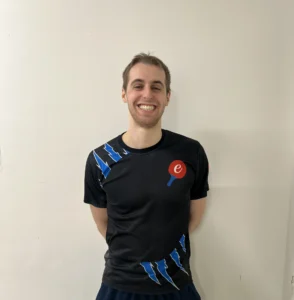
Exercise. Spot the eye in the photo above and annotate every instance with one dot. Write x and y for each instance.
(137, 87)
(156, 88)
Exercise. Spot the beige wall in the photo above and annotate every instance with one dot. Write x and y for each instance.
(288, 89)
(60, 78)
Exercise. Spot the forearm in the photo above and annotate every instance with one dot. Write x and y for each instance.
(102, 228)
(196, 213)
(101, 219)
(193, 224)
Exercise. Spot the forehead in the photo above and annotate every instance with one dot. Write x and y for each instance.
(147, 73)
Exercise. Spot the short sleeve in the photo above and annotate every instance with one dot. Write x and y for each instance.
(93, 192)
(201, 185)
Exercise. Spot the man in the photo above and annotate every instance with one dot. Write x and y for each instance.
(147, 190)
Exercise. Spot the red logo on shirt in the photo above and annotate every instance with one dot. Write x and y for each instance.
(177, 169)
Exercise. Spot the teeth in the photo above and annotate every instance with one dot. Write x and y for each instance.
(147, 107)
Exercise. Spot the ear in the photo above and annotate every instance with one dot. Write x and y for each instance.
(124, 96)
(168, 98)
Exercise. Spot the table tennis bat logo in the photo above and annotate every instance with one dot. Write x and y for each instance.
(177, 170)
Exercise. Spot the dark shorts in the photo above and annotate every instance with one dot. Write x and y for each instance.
(108, 293)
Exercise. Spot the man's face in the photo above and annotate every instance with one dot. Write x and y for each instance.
(146, 94)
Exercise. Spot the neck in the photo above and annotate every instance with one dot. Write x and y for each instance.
(140, 138)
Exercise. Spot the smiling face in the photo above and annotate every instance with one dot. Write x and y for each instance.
(146, 94)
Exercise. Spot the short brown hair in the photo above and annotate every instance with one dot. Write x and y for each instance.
(148, 60)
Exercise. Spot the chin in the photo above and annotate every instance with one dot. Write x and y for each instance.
(146, 124)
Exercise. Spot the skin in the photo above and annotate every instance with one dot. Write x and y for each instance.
(146, 86)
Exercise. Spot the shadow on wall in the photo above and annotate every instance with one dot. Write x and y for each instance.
(169, 118)
(237, 252)
(195, 276)
(201, 138)
(214, 264)
(289, 262)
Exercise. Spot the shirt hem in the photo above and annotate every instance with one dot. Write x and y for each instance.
(119, 287)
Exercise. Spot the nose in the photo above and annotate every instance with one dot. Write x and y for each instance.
(147, 92)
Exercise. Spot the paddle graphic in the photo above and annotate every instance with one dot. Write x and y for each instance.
(177, 169)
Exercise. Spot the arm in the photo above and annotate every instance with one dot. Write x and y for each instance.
(196, 212)
(100, 218)
(95, 195)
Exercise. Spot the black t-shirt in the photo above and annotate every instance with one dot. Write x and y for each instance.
(147, 193)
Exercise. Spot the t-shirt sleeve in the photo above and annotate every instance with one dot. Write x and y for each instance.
(93, 191)
(201, 185)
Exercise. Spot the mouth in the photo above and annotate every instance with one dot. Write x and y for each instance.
(147, 107)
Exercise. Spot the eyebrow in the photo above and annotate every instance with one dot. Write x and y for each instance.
(142, 81)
